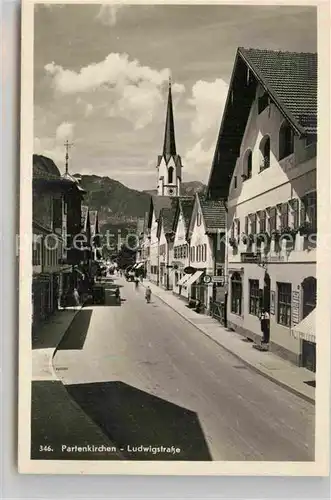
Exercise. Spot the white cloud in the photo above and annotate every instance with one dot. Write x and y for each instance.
(197, 161)
(108, 13)
(48, 147)
(208, 99)
(64, 131)
(134, 92)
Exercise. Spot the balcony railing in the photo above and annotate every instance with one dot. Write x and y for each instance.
(265, 163)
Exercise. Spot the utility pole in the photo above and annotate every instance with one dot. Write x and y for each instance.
(67, 146)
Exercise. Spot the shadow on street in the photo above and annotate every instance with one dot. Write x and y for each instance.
(75, 336)
(129, 416)
(56, 422)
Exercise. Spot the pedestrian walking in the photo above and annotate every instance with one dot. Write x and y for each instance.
(148, 295)
(76, 298)
(136, 281)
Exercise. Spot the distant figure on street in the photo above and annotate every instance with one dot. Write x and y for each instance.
(117, 295)
(136, 282)
(148, 295)
(76, 298)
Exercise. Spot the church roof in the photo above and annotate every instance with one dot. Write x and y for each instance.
(169, 145)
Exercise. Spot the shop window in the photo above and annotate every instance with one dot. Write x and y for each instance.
(286, 141)
(254, 297)
(284, 304)
(236, 294)
(265, 153)
(311, 209)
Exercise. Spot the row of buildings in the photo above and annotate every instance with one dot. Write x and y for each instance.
(65, 242)
(249, 243)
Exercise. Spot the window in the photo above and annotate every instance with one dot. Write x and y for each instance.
(247, 174)
(295, 213)
(284, 304)
(36, 251)
(263, 102)
(235, 182)
(253, 223)
(246, 224)
(284, 216)
(238, 227)
(309, 287)
(265, 153)
(236, 293)
(57, 213)
(204, 252)
(272, 219)
(232, 229)
(170, 175)
(193, 254)
(286, 141)
(311, 209)
(262, 221)
(254, 297)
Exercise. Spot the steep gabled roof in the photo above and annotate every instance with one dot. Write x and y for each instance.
(166, 220)
(157, 203)
(214, 215)
(187, 209)
(290, 81)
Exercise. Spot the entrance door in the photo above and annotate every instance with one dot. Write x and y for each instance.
(309, 286)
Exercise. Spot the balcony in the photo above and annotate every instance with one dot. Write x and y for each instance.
(265, 163)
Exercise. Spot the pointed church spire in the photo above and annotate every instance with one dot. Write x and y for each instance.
(169, 146)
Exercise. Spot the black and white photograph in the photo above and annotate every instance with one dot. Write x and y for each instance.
(170, 280)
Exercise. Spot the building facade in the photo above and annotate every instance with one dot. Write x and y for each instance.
(271, 220)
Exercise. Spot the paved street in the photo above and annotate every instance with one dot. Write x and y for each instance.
(146, 376)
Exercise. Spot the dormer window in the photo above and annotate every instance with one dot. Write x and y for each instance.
(263, 102)
(265, 153)
(286, 141)
(247, 171)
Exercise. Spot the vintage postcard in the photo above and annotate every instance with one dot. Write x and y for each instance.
(174, 314)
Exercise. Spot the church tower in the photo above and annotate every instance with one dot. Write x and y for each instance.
(169, 165)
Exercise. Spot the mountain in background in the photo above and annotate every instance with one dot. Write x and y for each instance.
(118, 206)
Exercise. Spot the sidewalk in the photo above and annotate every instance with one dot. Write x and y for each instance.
(56, 419)
(280, 371)
(46, 340)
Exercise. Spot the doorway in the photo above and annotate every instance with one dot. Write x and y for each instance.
(309, 288)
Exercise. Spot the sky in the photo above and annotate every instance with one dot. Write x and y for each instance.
(101, 80)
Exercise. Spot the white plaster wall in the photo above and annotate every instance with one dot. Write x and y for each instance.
(154, 243)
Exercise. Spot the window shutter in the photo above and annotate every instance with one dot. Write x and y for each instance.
(238, 227)
(303, 210)
(246, 224)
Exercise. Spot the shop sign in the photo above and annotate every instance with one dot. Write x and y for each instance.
(207, 279)
(250, 258)
(219, 280)
(295, 308)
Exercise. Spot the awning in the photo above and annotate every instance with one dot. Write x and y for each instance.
(193, 278)
(183, 279)
(133, 267)
(306, 329)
